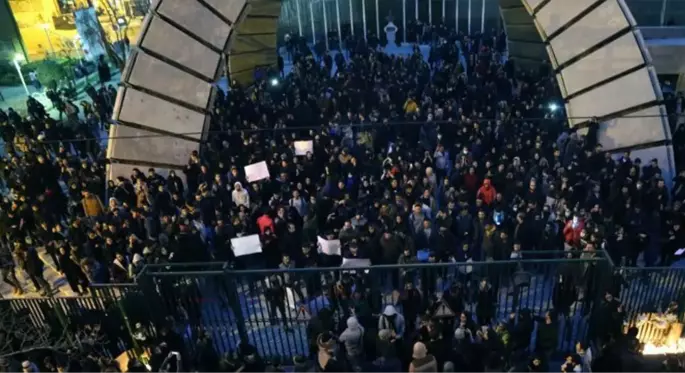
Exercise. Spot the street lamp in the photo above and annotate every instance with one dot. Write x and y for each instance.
(17, 59)
(46, 28)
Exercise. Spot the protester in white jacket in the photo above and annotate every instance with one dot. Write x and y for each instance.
(240, 196)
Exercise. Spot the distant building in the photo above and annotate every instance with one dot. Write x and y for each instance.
(10, 38)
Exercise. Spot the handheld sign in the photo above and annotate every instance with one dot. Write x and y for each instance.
(329, 247)
(246, 245)
(290, 298)
(256, 171)
(304, 147)
(355, 263)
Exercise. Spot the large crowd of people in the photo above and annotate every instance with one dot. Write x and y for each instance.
(453, 159)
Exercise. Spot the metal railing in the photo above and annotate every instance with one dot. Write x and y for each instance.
(272, 309)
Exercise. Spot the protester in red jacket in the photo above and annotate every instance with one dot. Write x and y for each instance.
(264, 222)
(487, 192)
(572, 230)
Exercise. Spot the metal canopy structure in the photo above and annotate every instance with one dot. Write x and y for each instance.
(602, 65)
(168, 85)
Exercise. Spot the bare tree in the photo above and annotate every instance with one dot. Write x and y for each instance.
(96, 34)
(120, 33)
(22, 332)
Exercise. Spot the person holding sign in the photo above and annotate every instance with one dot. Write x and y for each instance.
(257, 171)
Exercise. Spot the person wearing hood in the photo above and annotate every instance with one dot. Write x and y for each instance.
(240, 196)
(353, 339)
(29, 367)
(393, 321)
(486, 192)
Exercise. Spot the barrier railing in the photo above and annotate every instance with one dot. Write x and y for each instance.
(274, 310)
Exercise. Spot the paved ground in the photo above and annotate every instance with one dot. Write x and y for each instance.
(16, 97)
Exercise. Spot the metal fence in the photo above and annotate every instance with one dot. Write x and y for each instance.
(271, 309)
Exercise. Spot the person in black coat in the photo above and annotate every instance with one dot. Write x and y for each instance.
(485, 303)
(7, 271)
(31, 263)
(275, 296)
(72, 271)
(564, 293)
(547, 334)
(104, 72)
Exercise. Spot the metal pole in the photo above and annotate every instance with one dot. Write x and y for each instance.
(351, 19)
(404, 21)
(325, 23)
(47, 35)
(444, 8)
(456, 14)
(311, 15)
(378, 21)
(364, 16)
(21, 77)
(299, 18)
(337, 15)
(469, 19)
(430, 12)
(416, 9)
(663, 12)
(482, 18)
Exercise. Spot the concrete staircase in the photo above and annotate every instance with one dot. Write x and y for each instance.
(58, 282)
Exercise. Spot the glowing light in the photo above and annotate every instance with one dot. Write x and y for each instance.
(553, 107)
(673, 348)
(274, 82)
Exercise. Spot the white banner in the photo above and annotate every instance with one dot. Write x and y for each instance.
(355, 263)
(329, 247)
(246, 245)
(256, 171)
(290, 298)
(304, 147)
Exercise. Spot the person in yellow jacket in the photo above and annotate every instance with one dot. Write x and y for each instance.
(92, 205)
(410, 106)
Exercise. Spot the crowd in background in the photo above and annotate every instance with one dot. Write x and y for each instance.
(456, 158)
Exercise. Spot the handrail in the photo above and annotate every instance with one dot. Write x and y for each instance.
(226, 267)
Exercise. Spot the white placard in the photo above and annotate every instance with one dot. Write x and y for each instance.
(355, 263)
(304, 147)
(246, 245)
(290, 298)
(256, 171)
(329, 247)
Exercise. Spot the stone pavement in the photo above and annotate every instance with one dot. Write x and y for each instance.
(15, 97)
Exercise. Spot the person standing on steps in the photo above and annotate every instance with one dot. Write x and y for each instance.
(9, 276)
